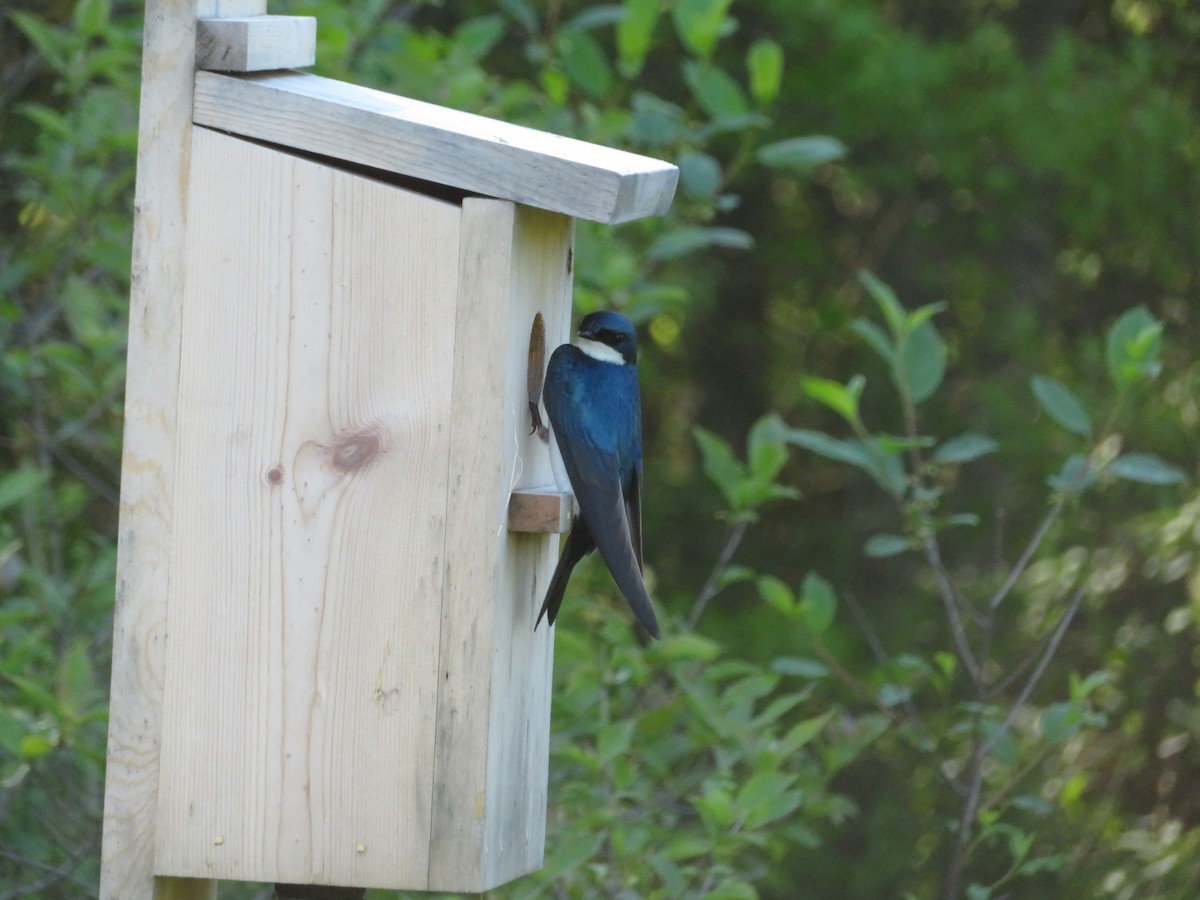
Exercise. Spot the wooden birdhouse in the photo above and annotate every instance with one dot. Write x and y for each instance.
(325, 666)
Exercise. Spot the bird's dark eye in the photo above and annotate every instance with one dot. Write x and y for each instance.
(608, 336)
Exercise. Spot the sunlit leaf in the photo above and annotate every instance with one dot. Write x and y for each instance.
(842, 399)
(764, 62)
(801, 153)
(700, 24)
(1133, 347)
(635, 32)
(776, 593)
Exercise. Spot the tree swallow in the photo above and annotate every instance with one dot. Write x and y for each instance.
(592, 398)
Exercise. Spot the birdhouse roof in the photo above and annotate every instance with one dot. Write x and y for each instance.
(432, 143)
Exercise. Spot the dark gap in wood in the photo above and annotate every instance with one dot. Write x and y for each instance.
(417, 185)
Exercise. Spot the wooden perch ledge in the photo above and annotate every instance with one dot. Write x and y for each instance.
(540, 511)
(469, 152)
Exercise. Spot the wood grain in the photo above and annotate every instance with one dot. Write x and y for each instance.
(147, 465)
(545, 510)
(495, 669)
(228, 9)
(432, 143)
(256, 43)
(310, 524)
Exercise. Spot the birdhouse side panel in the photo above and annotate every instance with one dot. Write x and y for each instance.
(518, 767)
(493, 703)
(310, 514)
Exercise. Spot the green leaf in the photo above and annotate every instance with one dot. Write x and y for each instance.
(614, 740)
(759, 789)
(717, 93)
(766, 447)
(635, 33)
(76, 682)
(764, 62)
(720, 465)
(885, 299)
(1145, 468)
(699, 174)
(876, 338)
(34, 746)
(19, 484)
(852, 452)
(683, 241)
(924, 361)
(799, 667)
(772, 808)
(716, 807)
(585, 63)
(49, 42)
(1133, 347)
(572, 852)
(776, 593)
(802, 733)
(686, 646)
(732, 889)
(1061, 405)
(476, 37)
(923, 314)
(522, 12)
(1061, 721)
(91, 16)
(700, 24)
(817, 603)
(882, 545)
(1075, 475)
(964, 448)
(799, 154)
(842, 399)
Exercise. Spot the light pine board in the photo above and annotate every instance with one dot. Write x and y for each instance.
(228, 9)
(309, 526)
(139, 627)
(421, 140)
(256, 43)
(514, 263)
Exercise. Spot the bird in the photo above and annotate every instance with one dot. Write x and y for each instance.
(593, 401)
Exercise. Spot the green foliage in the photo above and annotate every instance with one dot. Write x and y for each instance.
(1037, 170)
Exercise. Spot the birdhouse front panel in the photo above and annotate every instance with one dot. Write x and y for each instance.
(314, 642)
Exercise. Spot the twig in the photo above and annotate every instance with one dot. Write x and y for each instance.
(736, 532)
(971, 805)
(1027, 554)
(1052, 644)
(881, 655)
(950, 603)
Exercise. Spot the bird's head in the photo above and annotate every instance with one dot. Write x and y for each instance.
(609, 337)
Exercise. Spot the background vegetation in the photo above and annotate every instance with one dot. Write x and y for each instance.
(932, 631)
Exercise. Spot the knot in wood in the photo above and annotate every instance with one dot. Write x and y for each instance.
(356, 449)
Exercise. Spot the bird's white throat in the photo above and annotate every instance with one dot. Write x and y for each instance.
(602, 352)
